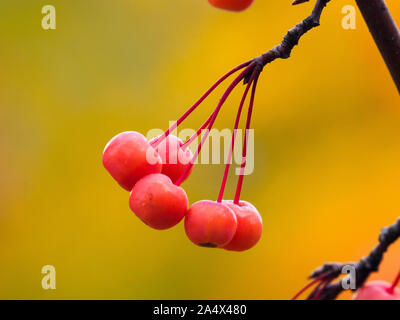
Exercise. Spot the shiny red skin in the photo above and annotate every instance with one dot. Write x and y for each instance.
(158, 202)
(377, 290)
(249, 226)
(125, 158)
(231, 5)
(210, 224)
(175, 160)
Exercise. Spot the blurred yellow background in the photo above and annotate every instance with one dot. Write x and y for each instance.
(327, 134)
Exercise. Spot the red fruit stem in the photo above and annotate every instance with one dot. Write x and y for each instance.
(214, 116)
(395, 283)
(205, 95)
(364, 268)
(229, 158)
(246, 136)
(319, 278)
(198, 132)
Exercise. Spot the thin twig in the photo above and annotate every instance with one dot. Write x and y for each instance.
(299, 2)
(385, 33)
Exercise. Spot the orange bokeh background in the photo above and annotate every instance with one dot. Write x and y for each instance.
(327, 146)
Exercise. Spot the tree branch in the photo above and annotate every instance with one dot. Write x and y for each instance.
(378, 19)
(299, 2)
(363, 268)
(387, 38)
(385, 33)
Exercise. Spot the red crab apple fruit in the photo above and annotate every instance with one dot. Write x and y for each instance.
(249, 226)
(175, 159)
(129, 157)
(377, 290)
(158, 202)
(232, 5)
(210, 224)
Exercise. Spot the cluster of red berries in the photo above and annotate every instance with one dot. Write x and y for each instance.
(232, 5)
(154, 170)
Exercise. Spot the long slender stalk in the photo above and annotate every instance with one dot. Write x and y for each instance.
(319, 292)
(385, 33)
(310, 284)
(395, 283)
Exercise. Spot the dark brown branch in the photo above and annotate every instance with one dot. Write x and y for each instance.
(291, 38)
(385, 33)
(387, 38)
(363, 268)
(299, 2)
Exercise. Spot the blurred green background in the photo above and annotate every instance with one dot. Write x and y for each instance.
(327, 134)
